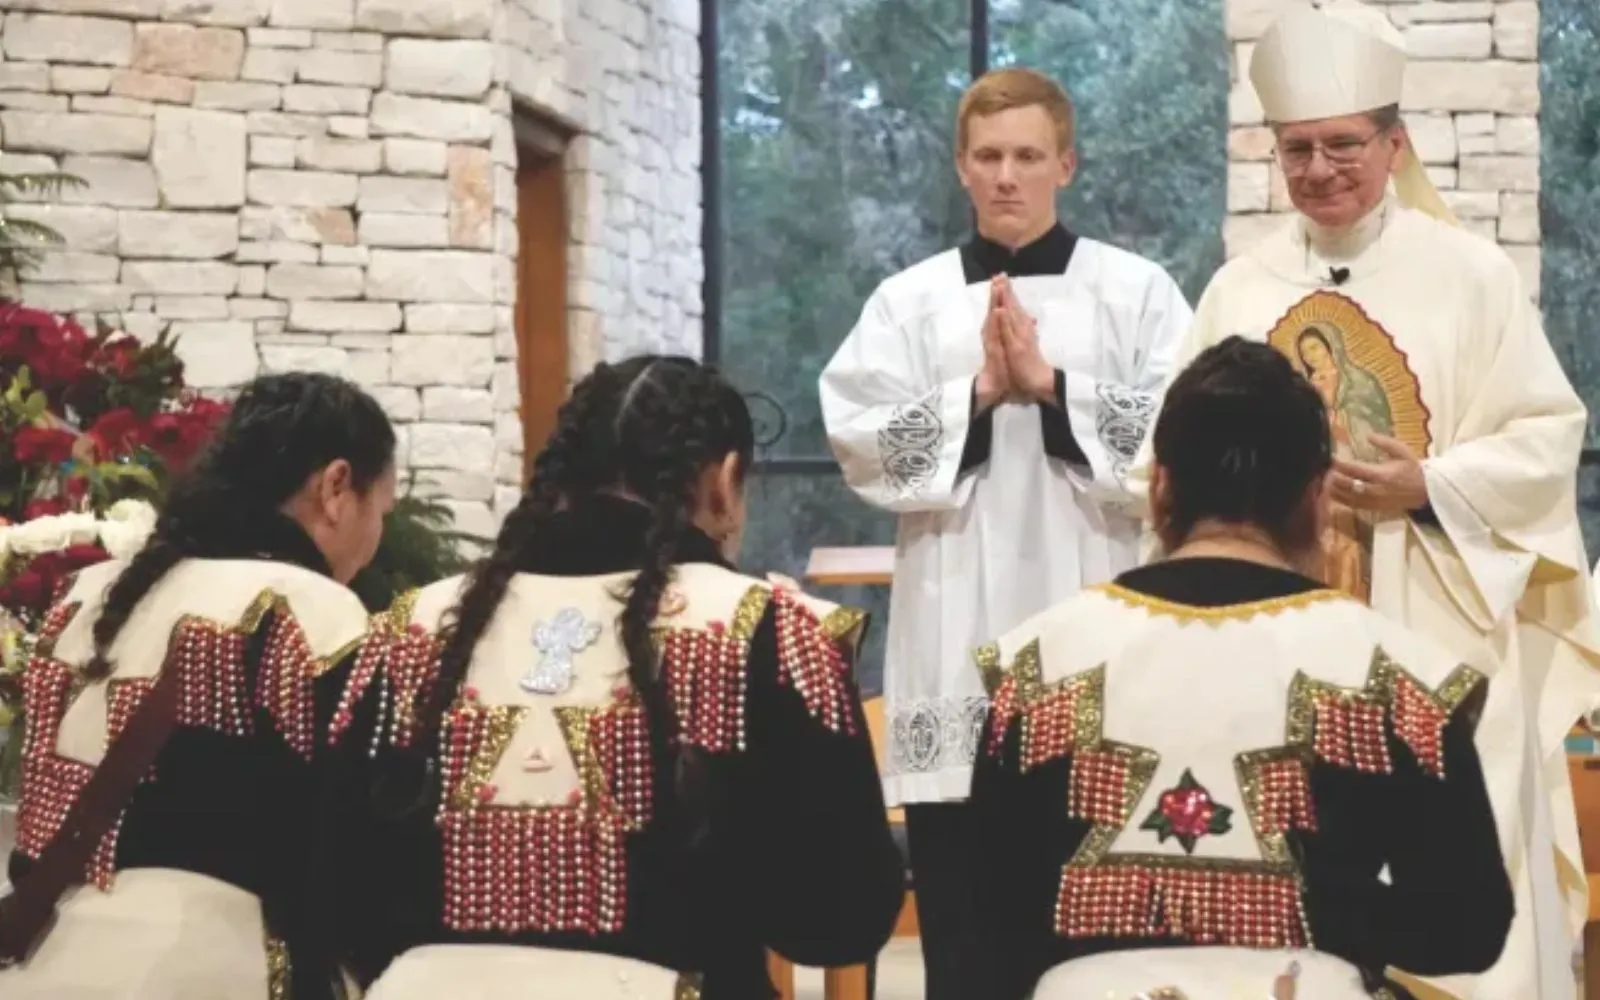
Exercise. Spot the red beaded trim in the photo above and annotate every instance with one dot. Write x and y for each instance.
(209, 659)
(812, 663)
(1050, 724)
(1201, 904)
(1004, 707)
(1419, 722)
(55, 622)
(705, 674)
(1098, 788)
(517, 869)
(619, 738)
(410, 670)
(285, 683)
(1350, 731)
(1283, 797)
(370, 657)
(50, 782)
(547, 870)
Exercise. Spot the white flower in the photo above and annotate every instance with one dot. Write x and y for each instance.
(128, 524)
(137, 513)
(52, 534)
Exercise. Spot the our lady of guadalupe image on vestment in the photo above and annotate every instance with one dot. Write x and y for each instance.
(1369, 388)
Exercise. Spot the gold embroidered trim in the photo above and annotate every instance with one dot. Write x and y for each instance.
(278, 969)
(689, 986)
(1228, 612)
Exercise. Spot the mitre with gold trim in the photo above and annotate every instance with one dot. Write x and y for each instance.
(1341, 57)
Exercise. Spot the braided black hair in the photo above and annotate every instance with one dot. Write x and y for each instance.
(647, 428)
(282, 428)
(1242, 437)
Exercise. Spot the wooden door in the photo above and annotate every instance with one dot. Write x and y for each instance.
(541, 296)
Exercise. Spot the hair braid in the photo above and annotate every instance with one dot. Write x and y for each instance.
(565, 466)
(282, 428)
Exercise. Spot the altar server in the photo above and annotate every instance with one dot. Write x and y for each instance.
(1457, 437)
(993, 396)
(1216, 778)
(605, 765)
(235, 617)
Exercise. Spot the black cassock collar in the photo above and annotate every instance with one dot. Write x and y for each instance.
(982, 258)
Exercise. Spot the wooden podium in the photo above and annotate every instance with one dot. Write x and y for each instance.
(852, 565)
(838, 567)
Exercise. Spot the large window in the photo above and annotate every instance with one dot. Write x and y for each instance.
(1569, 49)
(830, 166)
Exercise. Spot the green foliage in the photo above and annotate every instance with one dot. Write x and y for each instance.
(1570, 196)
(420, 545)
(1569, 202)
(23, 240)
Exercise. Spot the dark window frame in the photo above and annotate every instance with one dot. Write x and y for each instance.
(711, 209)
(711, 241)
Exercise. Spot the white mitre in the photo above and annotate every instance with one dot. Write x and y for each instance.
(1339, 58)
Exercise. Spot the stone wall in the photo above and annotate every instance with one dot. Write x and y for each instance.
(1471, 104)
(331, 184)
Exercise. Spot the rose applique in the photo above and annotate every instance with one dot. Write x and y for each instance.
(1187, 813)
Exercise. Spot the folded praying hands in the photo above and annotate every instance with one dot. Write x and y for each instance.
(1014, 369)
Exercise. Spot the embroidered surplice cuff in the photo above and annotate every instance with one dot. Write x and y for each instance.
(980, 436)
(1056, 425)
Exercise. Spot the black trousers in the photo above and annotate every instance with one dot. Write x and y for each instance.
(943, 840)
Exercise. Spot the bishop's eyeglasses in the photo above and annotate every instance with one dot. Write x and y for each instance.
(1341, 151)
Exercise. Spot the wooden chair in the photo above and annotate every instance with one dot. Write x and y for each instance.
(1584, 769)
(851, 983)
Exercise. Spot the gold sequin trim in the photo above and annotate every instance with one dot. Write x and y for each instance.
(402, 608)
(574, 722)
(843, 623)
(1249, 768)
(502, 723)
(1386, 686)
(747, 616)
(689, 986)
(1140, 769)
(277, 969)
(1227, 612)
(987, 657)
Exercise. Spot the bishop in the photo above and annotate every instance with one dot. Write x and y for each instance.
(1457, 437)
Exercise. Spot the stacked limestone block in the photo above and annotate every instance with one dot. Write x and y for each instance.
(330, 184)
(1471, 103)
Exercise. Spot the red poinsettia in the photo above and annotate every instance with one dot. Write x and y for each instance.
(178, 436)
(1187, 813)
(54, 348)
(42, 445)
(32, 590)
(117, 433)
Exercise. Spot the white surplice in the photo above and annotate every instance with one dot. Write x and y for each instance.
(981, 550)
(1438, 323)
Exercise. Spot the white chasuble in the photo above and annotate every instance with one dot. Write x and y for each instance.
(1424, 332)
(1005, 513)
